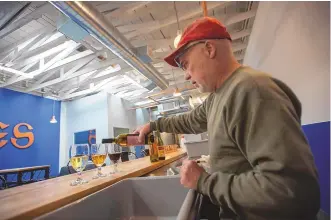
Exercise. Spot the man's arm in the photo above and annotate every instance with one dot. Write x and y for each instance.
(283, 181)
(193, 122)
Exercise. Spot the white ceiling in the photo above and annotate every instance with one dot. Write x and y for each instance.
(66, 70)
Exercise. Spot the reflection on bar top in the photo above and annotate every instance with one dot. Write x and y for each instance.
(192, 142)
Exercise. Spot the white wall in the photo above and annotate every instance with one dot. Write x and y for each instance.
(291, 41)
(119, 116)
(142, 116)
(80, 115)
(63, 154)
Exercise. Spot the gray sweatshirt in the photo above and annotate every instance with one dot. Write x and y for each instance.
(262, 165)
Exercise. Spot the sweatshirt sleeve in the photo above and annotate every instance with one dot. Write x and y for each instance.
(194, 122)
(283, 180)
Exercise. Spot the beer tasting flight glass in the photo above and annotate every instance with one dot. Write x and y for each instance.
(79, 154)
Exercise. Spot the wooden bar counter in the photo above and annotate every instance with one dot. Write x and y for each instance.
(32, 200)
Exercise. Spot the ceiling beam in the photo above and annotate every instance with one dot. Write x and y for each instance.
(240, 57)
(88, 54)
(27, 47)
(70, 47)
(15, 78)
(173, 83)
(108, 8)
(237, 17)
(240, 34)
(133, 27)
(63, 77)
(22, 62)
(45, 77)
(130, 11)
(48, 38)
(26, 19)
(153, 43)
(181, 86)
(82, 58)
(96, 88)
(103, 76)
(11, 47)
(107, 72)
(173, 20)
(86, 70)
(9, 56)
(133, 93)
(164, 43)
(231, 19)
(42, 48)
(161, 55)
(238, 47)
(177, 77)
(13, 71)
(95, 78)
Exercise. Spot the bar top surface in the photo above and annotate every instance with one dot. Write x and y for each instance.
(32, 200)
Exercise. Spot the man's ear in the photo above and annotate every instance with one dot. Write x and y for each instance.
(211, 49)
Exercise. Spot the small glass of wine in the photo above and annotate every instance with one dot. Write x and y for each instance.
(99, 154)
(114, 154)
(79, 154)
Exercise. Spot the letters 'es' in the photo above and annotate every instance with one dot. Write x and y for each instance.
(17, 135)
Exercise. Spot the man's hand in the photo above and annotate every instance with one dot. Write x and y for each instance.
(142, 131)
(190, 173)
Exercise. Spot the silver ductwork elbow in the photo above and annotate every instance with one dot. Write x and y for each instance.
(89, 18)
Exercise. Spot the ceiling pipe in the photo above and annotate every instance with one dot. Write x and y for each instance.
(161, 101)
(89, 18)
(204, 8)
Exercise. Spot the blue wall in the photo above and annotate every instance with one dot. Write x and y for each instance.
(16, 107)
(319, 139)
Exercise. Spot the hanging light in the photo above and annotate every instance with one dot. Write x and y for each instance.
(179, 32)
(53, 119)
(177, 93)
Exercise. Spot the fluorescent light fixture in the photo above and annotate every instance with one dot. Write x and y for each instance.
(17, 72)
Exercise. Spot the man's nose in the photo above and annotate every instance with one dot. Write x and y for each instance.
(187, 76)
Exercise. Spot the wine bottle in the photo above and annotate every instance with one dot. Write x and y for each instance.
(160, 146)
(126, 140)
(153, 150)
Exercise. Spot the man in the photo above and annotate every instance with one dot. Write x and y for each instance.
(262, 166)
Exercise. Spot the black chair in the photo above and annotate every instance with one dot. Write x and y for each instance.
(4, 183)
(125, 156)
(321, 215)
(66, 170)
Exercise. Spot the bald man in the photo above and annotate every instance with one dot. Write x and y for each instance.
(262, 167)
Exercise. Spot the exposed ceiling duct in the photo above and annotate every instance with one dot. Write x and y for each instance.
(89, 18)
(9, 11)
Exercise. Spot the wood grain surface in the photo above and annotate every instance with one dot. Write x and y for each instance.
(35, 199)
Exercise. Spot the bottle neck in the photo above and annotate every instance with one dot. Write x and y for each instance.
(108, 140)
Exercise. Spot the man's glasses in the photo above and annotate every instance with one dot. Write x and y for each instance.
(184, 67)
(179, 64)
